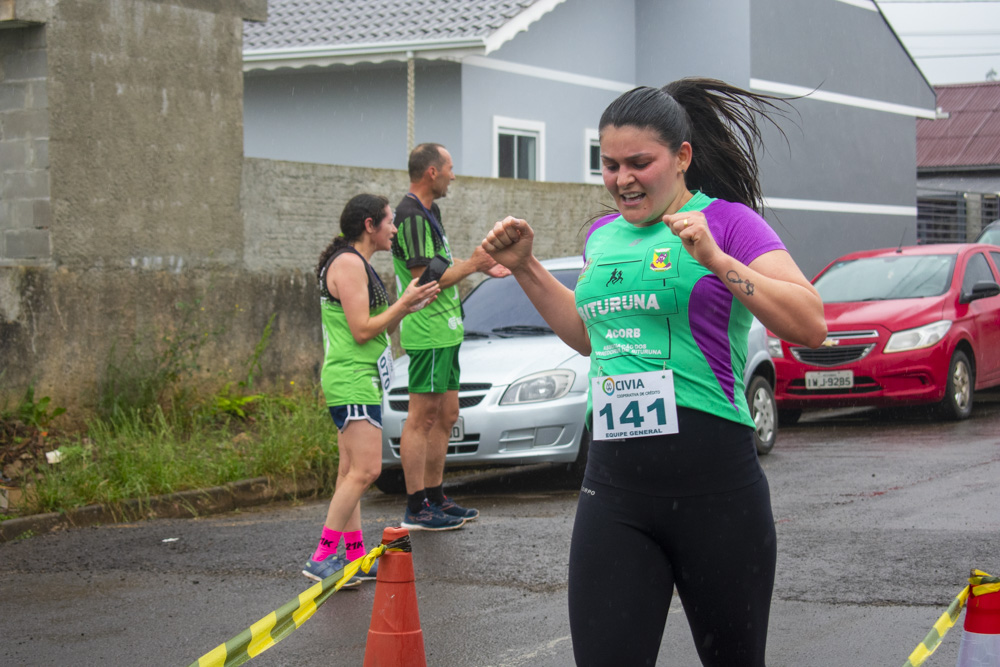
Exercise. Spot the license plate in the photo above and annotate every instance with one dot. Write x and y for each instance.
(457, 431)
(829, 379)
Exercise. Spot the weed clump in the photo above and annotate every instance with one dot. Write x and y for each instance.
(154, 434)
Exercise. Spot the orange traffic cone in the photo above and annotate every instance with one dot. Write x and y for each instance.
(394, 636)
(981, 639)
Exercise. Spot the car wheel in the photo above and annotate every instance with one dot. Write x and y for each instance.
(391, 481)
(764, 412)
(957, 401)
(789, 417)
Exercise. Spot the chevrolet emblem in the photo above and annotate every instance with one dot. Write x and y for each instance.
(831, 342)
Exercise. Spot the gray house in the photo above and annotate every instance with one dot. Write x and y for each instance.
(515, 89)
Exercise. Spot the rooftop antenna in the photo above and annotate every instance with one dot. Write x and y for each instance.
(899, 250)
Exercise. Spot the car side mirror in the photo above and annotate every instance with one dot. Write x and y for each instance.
(981, 290)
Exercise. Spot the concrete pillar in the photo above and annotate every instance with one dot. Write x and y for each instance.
(146, 115)
(121, 155)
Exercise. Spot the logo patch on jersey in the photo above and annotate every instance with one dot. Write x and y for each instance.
(586, 267)
(661, 259)
(616, 277)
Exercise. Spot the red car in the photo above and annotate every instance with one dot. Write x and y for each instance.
(907, 326)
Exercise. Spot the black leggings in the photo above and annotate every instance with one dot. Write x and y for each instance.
(630, 549)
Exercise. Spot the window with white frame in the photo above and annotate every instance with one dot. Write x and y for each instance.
(518, 149)
(592, 157)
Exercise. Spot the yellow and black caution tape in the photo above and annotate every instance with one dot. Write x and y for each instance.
(980, 583)
(277, 625)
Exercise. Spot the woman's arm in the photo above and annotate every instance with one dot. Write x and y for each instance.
(772, 287)
(775, 291)
(510, 243)
(347, 279)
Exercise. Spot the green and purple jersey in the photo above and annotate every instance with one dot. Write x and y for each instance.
(649, 305)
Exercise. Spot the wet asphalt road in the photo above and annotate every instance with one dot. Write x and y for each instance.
(880, 515)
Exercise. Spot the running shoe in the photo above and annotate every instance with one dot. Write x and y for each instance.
(430, 518)
(321, 569)
(451, 508)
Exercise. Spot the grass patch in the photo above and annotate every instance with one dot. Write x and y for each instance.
(140, 456)
(153, 434)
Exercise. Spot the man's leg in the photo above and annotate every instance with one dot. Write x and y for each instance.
(438, 435)
(424, 443)
(420, 448)
(437, 449)
(415, 447)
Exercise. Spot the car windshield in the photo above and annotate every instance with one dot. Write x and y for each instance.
(499, 307)
(990, 235)
(882, 278)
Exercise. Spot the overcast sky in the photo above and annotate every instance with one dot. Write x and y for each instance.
(952, 41)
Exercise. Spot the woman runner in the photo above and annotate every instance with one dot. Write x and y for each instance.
(356, 315)
(673, 495)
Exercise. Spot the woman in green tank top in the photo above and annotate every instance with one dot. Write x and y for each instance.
(356, 317)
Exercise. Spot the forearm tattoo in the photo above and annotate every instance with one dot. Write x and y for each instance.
(745, 285)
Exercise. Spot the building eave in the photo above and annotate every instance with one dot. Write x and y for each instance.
(519, 23)
(990, 169)
(352, 54)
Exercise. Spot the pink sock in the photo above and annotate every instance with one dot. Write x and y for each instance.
(328, 543)
(355, 545)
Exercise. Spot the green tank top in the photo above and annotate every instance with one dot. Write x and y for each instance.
(350, 371)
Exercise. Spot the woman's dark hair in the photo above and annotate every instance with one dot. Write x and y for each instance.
(719, 120)
(352, 224)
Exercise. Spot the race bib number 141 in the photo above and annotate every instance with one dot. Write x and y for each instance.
(634, 405)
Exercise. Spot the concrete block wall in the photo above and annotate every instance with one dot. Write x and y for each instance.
(291, 211)
(58, 325)
(25, 193)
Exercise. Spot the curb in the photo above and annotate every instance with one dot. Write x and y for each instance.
(200, 502)
(181, 505)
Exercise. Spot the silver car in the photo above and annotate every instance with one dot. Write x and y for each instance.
(523, 393)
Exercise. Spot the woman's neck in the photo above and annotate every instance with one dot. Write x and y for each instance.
(683, 198)
(364, 247)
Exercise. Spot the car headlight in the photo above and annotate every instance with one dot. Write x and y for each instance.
(774, 347)
(915, 339)
(544, 386)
